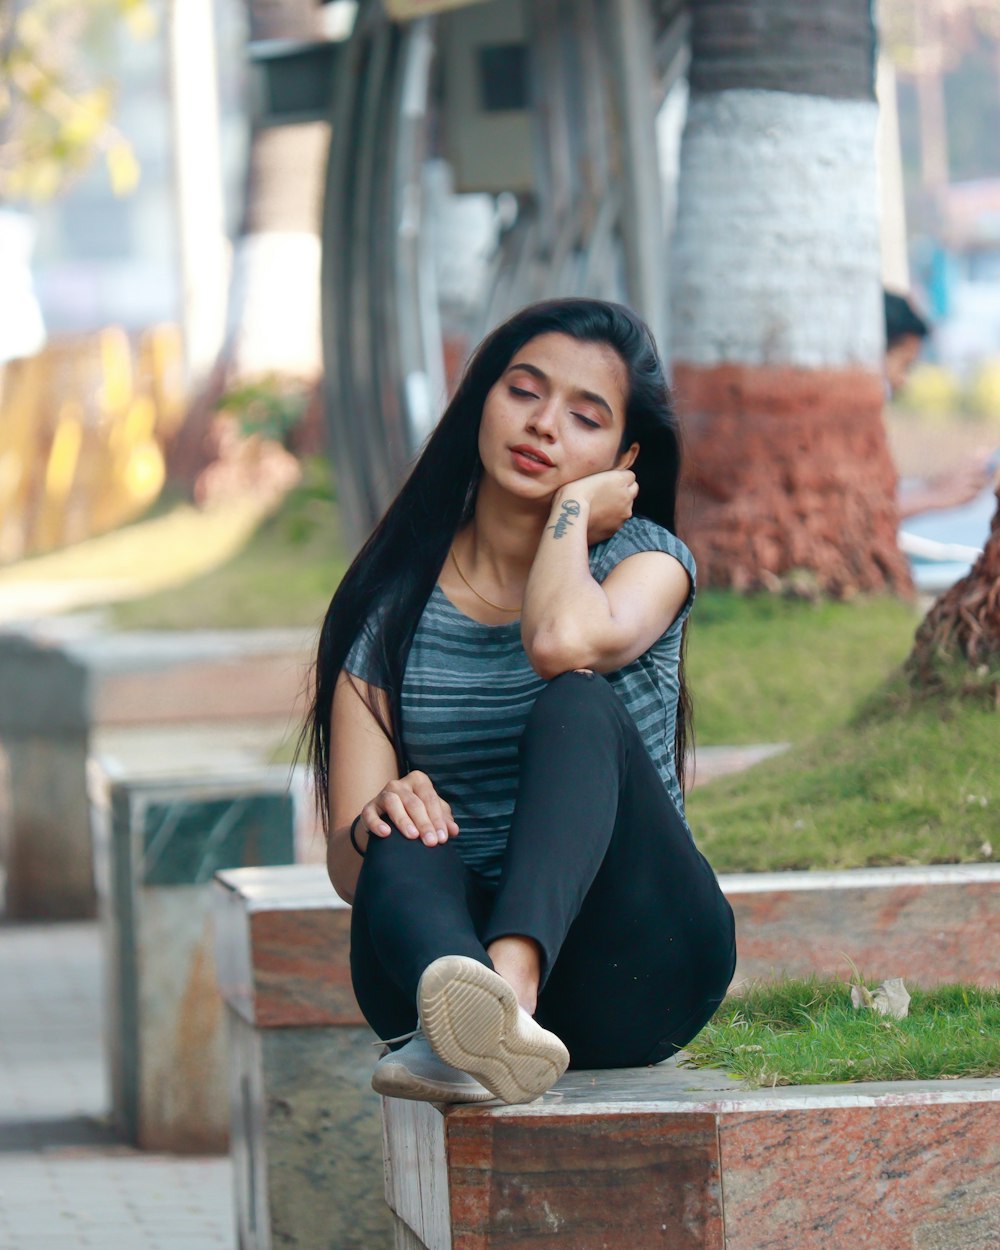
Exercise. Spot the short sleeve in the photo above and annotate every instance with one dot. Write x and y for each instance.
(640, 534)
(362, 658)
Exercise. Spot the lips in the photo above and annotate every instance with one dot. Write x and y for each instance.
(533, 454)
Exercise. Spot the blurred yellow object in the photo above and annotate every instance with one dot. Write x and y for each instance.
(931, 390)
(160, 371)
(145, 474)
(983, 397)
(65, 453)
(82, 427)
(148, 555)
(60, 472)
(123, 168)
(116, 365)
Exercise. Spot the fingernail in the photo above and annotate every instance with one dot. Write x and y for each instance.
(442, 835)
(411, 830)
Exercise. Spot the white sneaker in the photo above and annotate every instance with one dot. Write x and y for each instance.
(474, 1022)
(414, 1071)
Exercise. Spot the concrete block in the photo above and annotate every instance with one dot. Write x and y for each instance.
(60, 685)
(306, 1136)
(157, 845)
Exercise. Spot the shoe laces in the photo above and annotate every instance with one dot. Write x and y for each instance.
(387, 1042)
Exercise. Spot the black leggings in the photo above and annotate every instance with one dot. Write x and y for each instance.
(637, 939)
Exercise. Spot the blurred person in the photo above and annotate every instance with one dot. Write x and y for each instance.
(905, 334)
(503, 662)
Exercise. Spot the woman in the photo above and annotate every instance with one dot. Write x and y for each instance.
(499, 726)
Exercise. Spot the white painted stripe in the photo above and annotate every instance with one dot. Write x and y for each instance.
(776, 247)
(903, 1094)
(859, 878)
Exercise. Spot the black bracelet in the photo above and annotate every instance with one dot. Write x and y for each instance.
(354, 843)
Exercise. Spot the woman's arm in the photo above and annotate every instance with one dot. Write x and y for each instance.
(363, 764)
(362, 761)
(571, 621)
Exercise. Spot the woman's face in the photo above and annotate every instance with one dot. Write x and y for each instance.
(555, 414)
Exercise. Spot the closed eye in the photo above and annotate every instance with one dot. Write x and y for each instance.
(594, 425)
(517, 390)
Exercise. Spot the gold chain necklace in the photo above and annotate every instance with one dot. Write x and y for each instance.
(489, 602)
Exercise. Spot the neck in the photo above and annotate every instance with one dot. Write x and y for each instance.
(504, 535)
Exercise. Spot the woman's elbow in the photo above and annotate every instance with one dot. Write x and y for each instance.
(551, 653)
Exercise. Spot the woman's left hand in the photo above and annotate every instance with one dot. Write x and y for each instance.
(609, 497)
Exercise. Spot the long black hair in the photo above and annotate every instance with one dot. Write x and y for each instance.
(397, 568)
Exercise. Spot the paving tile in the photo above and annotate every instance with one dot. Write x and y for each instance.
(66, 1183)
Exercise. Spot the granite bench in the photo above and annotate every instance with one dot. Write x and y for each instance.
(686, 1160)
(62, 687)
(158, 842)
(306, 1137)
(928, 925)
(301, 1063)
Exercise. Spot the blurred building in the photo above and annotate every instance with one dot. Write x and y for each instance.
(961, 273)
(105, 260)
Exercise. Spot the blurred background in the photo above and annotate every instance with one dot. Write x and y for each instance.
(180, 181)
(246, 247)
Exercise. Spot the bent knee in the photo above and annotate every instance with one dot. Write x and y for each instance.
(573, 693)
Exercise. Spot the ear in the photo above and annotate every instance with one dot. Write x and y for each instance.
(627, 459)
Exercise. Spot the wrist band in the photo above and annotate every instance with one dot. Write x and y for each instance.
(354, 843)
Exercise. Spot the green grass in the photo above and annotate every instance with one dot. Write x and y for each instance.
(905, 782)
(284, 576)
(763, 668)
(807, 1033)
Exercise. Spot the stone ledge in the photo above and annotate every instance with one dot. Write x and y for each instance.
(930, 925)
(283, 947)
(51, 683)
(654, 1156)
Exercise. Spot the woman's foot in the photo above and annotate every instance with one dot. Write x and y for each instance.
(414, 1071)
(473, 1021)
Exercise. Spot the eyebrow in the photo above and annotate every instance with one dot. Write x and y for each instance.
(543, 377)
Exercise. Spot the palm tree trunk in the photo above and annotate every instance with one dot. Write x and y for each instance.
(961, 633)
(777, 318)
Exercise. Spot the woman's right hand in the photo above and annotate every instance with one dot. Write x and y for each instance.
(414, 807)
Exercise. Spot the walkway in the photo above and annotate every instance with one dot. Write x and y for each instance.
(65, 1182)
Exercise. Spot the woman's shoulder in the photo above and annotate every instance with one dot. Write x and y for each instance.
(638, 534)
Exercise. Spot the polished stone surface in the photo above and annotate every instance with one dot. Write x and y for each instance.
(643, 1157)
(60, 684)
(187, 841)
(45, 827)
(283, 947)
(600, 1181)
(907, 1175)
(156, 844)
(54, 677)
(928, 925)
(306, 1141)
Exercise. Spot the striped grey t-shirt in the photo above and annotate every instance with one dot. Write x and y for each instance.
(468, 689)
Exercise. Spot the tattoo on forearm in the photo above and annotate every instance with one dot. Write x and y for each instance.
(570, 508)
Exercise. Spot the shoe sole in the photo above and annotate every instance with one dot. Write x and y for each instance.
(395, 1080)
(472, 1021)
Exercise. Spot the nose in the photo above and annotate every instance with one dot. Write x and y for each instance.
(543, 419)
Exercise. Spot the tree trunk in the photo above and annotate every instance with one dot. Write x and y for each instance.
(272, 324)
(274, 317)
(777, 313)
(961, 633)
